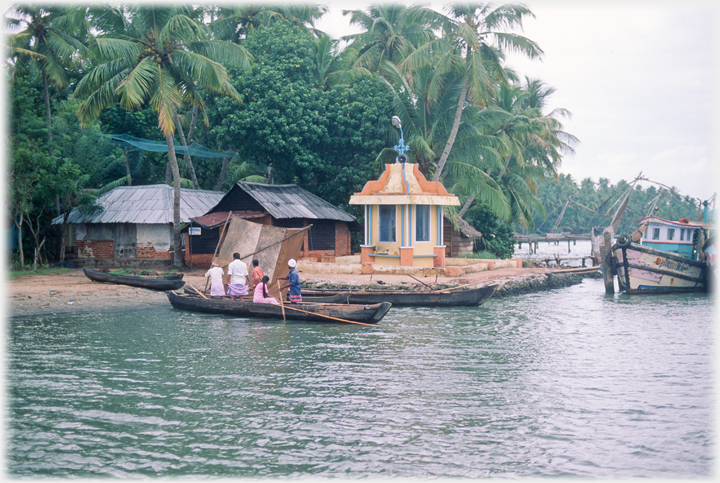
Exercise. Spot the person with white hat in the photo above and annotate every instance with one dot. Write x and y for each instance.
(217, 288)
(294, 295)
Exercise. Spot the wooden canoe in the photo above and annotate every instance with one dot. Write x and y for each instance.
(406, 298)
(365, 313)
(153, 283)
(339, 298)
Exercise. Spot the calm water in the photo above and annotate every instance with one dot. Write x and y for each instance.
(564, 383)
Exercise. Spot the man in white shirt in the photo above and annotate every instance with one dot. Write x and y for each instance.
(239, 278)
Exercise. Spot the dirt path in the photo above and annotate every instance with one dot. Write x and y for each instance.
(73, 292)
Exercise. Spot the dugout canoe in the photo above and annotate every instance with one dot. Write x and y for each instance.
(153, 283)
(339, 298)
(362, 313)
(405, 298)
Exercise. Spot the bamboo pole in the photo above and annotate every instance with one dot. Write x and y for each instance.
(282, 305)
(197, 291)
(331, 318)
(218, 244)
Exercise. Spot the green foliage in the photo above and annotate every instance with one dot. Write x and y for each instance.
(323, 140)
(594, 204)
(498, 236)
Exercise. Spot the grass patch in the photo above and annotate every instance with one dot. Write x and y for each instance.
(484, 254)
(43, 271)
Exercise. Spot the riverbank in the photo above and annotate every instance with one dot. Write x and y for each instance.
(32, 294)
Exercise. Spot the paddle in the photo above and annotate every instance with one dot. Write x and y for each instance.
(197, 291)
(428, 286)
(282, 305)
(328, 317)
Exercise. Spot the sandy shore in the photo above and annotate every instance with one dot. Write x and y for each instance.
(73, 292)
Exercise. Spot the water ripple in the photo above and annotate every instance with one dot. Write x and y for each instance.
(571, 383)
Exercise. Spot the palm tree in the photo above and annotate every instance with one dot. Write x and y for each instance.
(391, 33)
(45, 43)
(162, 56)
(472, 48)
(427, 126)
(235, 23)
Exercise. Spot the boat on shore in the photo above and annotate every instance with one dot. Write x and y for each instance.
(662, 256)
(161, 283)
(316, 312)
(406, 298)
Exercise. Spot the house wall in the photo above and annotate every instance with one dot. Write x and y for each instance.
(97, 241)
(154, 241)
(456, 243)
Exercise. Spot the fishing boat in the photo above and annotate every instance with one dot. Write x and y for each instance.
(325, 312)
(153, 283)
(662, 256)
(406, 298)
(339, 298)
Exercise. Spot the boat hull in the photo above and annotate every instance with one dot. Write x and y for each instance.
(156, 283)
(455, 298)
(365, 313)
(642, 269)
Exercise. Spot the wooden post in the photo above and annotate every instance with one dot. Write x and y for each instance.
(606, 261)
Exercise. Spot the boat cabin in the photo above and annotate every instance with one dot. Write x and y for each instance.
(679, 237)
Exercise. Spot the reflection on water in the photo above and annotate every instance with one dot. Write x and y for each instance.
(564, 383)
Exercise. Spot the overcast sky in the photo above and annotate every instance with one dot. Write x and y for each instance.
(639, 78)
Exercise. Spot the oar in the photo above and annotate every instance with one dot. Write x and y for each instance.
(457, 286)
(197, 291)
(428, 286)
(329, 317)
(282, 305)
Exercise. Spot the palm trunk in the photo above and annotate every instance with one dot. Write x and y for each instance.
(127, 166)
(466, 206)
(453, 133)
(63, 233)
(223, 172)
(172, 161)
(184, 142)
(48, 113)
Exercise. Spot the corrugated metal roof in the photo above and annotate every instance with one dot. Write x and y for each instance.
(151, 204)
(291, 201)
(220, 217)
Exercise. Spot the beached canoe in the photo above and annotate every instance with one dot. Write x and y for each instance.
(406, 298)
(153, 283)
(364, 313)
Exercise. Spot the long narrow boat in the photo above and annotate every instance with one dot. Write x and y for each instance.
(406, 298)
(339, 298)
(665, 257)
(153, 283)
(365, 313)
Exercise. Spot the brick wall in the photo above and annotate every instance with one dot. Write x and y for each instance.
(199, 260)
(100, 249)
(148, 251)
(342, 239)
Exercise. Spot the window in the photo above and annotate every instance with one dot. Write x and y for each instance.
(422, 223)
(671, 234)
(386, 215)
(682, 234)
(656, 234)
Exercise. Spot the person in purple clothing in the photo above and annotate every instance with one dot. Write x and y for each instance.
(293, 278)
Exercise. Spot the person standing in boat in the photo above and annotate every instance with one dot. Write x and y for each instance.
(257, 273)
(238, 277)
(217, 288)
(260, 296)
(293, 278)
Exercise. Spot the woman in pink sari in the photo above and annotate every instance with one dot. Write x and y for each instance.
(260, 296)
